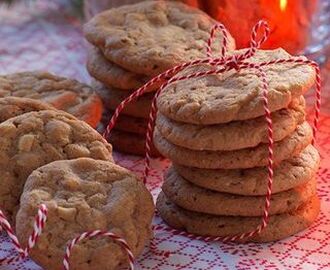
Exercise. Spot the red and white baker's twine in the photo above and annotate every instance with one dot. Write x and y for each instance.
(92, 234)
(220, 65)
(37, 229)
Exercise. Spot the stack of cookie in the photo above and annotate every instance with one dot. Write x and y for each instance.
(131, 45)
(50, 157)
(214, 131)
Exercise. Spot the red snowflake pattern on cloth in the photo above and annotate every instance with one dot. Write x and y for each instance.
(46, 36)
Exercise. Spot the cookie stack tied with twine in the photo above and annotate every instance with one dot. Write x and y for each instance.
(214, 131)
(131, 45)
(234, 127)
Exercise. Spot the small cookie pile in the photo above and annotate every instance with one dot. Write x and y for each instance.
(132, 44)
(214, 131)
(64, 94)
(50, 157)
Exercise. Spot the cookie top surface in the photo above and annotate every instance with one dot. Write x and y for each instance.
(64, 94)
(279, 226)
(83, 195)
(152, 36)
(194, 198)
(34, 139)
(252, 182)
(233, 95)
(14, 106)
(234, 135)
(246, 158)
(111, 74)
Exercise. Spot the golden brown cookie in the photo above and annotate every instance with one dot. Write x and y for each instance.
(112, 97)
(257, 156)
(111, 74)
(34, 139)
(126, 123)
(130, 143)
(279, 227)
(194, 198)
(64, 94)
(234, 135)
(152, 36)
(288, 174)
(233, 95)
(83, 195)
(14, 106)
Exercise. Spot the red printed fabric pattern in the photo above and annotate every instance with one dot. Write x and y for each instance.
(45, 36)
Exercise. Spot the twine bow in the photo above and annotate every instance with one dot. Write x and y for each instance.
(220, 65)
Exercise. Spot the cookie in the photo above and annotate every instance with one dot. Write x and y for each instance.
(234, 135)
(34, 139)
(111, 74)
(194, 198)
(233, 95)
(130, 143)
(279, 226)
(246, 158)
(113, 97)
(126, 123)
(14, 106)
(64, 94)
(152, 36)
(83, 195)
(288, 174)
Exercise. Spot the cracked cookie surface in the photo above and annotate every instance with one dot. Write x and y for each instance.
(84, 195)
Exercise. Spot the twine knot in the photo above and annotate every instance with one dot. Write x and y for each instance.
(235, 61)
(233, 64)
